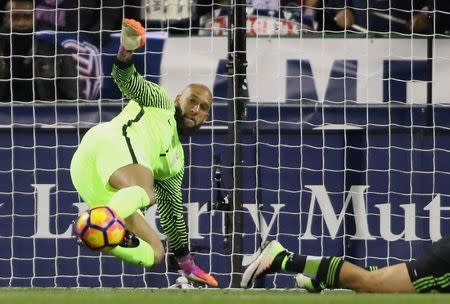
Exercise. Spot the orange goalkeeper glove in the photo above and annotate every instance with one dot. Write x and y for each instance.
(133, 34)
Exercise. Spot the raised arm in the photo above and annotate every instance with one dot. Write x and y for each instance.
(129, 81)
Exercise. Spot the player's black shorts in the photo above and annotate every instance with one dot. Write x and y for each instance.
(431, 272)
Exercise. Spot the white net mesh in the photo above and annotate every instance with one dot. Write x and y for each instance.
(344, 150)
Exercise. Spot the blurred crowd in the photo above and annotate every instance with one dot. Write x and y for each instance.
(43, 69)
(268, 17)
(387, 16)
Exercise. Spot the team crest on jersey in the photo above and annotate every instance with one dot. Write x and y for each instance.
(89, 66)
(175, 158)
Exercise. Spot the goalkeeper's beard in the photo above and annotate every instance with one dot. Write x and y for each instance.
(181, 127)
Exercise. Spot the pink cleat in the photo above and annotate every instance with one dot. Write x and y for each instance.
(194, 273)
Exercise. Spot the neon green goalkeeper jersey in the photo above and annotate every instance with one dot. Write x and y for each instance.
(150, 129)
(149, 124)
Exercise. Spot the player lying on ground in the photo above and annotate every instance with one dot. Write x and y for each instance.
(136, 159)
(429, 273)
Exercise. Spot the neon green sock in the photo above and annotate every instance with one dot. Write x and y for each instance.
(372, 268)
(324, 271)
(312, 266)
(128, 200)
(142, 255)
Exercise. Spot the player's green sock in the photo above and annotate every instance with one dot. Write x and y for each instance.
(287, 261)
(142, 255)
(328, 271)
(290, 262)
(323, 269)
(128, 200)
(371, 268)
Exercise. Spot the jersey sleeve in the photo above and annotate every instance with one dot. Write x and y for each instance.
(137, 88)
(170, 207)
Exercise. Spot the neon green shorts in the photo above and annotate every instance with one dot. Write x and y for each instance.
(101, 152)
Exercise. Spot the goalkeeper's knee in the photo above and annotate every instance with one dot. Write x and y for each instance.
(127, 200)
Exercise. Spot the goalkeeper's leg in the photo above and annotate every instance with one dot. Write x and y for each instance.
(102, 174)
(126, 201)
(146, 249)
(135, 184)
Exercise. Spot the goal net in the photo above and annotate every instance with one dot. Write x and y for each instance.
(337, 141)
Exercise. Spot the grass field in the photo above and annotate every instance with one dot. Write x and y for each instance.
(199, 296)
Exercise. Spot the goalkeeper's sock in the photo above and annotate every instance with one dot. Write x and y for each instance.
(127, 200)
(142, 254)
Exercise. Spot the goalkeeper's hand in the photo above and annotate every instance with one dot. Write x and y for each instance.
(194, 273)
(133, 34)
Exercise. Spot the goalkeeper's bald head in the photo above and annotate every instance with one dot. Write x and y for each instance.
(192, 108)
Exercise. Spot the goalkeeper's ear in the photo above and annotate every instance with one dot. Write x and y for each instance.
(133, 34)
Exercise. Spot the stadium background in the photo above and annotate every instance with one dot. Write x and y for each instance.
(340, 156)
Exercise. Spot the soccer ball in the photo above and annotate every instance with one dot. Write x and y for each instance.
(100, 228)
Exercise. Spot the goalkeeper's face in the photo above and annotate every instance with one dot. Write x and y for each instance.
(193, 106)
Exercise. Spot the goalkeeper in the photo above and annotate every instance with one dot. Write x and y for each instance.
(136, 160)
(429, 273)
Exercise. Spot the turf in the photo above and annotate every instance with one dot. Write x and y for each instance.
(202, 296)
